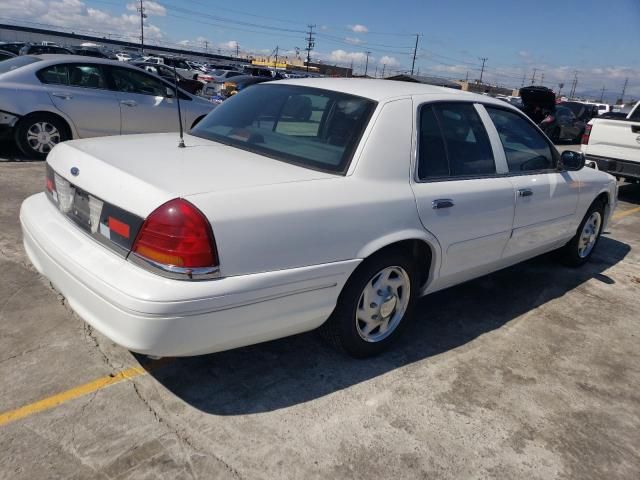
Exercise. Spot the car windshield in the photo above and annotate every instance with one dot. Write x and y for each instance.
(314, 128)
(16, 62)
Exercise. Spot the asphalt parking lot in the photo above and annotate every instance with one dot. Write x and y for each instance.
(531, 372)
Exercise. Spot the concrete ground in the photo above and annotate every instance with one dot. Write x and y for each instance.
(531, 372)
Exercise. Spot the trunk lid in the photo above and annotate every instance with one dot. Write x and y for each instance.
(140, 172)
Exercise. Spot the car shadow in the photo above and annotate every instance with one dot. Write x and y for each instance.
(629, 192)
(298, 369)
(9, 152)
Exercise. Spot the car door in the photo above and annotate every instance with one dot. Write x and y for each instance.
(80, 91)
(462, 196)
(546, 198)
(144, 104)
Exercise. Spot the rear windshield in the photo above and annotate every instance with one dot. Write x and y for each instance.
(16, 62)
(314, 128)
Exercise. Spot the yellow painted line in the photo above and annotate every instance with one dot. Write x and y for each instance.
(625, 213)
(76, 392)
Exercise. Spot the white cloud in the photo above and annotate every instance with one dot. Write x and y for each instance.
(230, 45)
(184, 43)
(76, 15)
(150, 8)
(353, 40)
(389, 61)
(341, 56)
(357, 28)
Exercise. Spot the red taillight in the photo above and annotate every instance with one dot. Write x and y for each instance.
(49, 180)
(586, 134)
(177, 234)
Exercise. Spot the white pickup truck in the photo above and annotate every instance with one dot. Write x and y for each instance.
(614, 144)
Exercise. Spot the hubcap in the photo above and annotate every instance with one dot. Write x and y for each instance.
(382, 304)
(42, 137)
(589, 234)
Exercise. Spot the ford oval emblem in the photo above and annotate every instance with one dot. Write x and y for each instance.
(75, 171)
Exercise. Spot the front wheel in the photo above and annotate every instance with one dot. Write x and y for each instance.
(373, 305)
(580, 248)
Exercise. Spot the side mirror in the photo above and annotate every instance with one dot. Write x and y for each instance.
(170, 93)
(571, 161)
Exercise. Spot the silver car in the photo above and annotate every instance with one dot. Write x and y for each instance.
(47, 99)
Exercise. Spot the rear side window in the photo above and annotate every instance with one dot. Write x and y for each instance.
(453, 143)
(525, 147)
(74, 75)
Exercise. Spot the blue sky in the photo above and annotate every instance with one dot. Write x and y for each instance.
(599, 39)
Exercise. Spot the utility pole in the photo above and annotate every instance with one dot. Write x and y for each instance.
(484, 59)
(602, 94)
(375, 75)
(574, 84)
(351, 67)
(542, 79)
(466, 77)
(310, 44)
(206, 46)
(415, 52)
(275, 64)
(560, 85)
(142, 17)
(366, 65)
(533, 77)
(624, 89)
(384, 66)
(524, 78)
(237, 50)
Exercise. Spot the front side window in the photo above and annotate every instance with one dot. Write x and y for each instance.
(525, 147)
(310, 127)
(453, 143)
(132, 81)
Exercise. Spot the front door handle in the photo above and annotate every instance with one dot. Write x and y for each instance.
(64, 96)
(442, 203)
(525, 192)
(129, 103)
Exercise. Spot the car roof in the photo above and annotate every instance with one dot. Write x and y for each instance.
(381, 90)
(51, 59)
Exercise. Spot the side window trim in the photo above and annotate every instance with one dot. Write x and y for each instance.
(451, 178)
(554, 152)
(499, 156)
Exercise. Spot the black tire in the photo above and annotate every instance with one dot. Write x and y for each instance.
(570, 253)
(29, 124)
(341, 328)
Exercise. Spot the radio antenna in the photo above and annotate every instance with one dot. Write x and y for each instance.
(175, 82)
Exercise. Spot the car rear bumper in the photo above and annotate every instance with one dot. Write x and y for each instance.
(616, 167)
(154, 315)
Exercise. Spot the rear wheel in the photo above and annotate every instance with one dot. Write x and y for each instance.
(37, 134)
(373, 305)
(581, 246)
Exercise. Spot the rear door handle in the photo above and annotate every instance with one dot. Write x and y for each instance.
(442, 203)
(64, 96)
(129, 103)
(525, 192)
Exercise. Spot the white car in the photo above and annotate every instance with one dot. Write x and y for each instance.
(47, 99)
(300, 204)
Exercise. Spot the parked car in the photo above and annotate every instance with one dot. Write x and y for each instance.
(4, 54)
(182, 67)
(257, 71)
(38, 49)
(582, 111)
(232, 86)
(297, 204)
(13, 47)
(613, 143)
(601, 107)
(558, 122)
(93, 52)
(45, 100)
(192, 86)
(123, 56)
(218, 76)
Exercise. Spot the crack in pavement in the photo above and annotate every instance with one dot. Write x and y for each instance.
(181, 435)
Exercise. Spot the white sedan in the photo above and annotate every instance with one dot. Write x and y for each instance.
(47, 99)
(300, 204)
